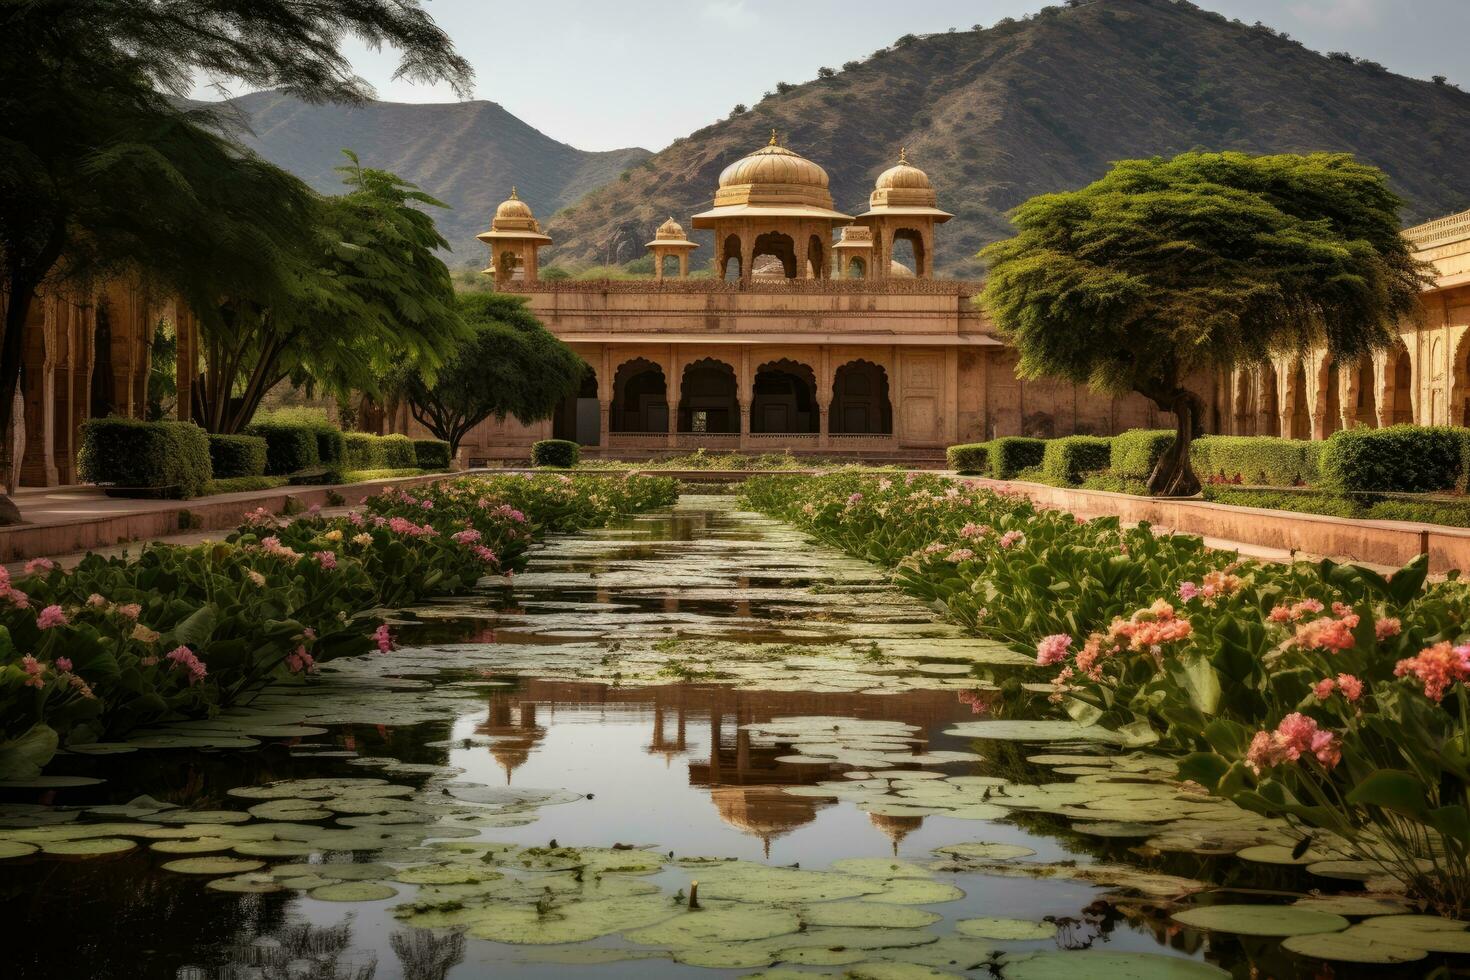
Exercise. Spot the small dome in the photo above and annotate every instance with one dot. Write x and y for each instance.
(904, 176)
(898, 270)
(513, 207)
(670, 230)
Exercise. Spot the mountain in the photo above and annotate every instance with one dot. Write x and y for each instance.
(1043, 104)
(467, 154)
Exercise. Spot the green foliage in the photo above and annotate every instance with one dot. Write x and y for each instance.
(1265, 460)
(131, 454)
(1010, 455)
(1137, 451)
(555, 452)
(398, 452)
(511, 365)
(1405, 458)
(1068, 460)
(236, 456)
(290, 446)
(431, 454)
(969, 458)
(1450, 513)
(241, 484)
(1164, 268)
(363, 451)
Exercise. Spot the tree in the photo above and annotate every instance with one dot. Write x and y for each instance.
(511, 365)
(361, 291)
(1166, 268)
(825, 72)
(101, 171)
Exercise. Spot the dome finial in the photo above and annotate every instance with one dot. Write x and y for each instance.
(903, 154)
(775, 137)
(513, 193)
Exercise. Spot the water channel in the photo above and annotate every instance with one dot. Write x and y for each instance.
(663, 692)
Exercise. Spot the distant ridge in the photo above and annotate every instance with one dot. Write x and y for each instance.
(1043, 104)
(467, 154)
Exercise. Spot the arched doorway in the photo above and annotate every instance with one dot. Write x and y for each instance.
(908, 249)
(1270, 424)
(857, 268)
(1398, 403)
(640, 398)
(1331, 400)
(104, 385)
(1365, 408)
(708, 398)
(860, 400)
(780, 247)
(579, 418)
(816, 258)
(784, 398)
(1245, 403)
(732, 254)
(1301, 418)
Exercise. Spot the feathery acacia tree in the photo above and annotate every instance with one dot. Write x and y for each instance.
(101, 170)
(510, 365)
(360, 291)
(1164, 268)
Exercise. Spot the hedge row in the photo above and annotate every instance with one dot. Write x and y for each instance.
(1068, 460)
(132, 456)
(1257, 460)
(237, 456)
(366, 451)
(1000, 459)
(555, 452)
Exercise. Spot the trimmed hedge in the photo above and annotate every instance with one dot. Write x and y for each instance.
(1261, 460)
(555, 452)
(431, 454)
(969, 458)
(236, 456)
(1400, 458)
(362, 451)
(1010, 455)
(398, 452)
(289, 447)
(1137, 451)
(131, 454)
(1068, 460)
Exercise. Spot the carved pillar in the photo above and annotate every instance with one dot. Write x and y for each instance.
(824, 397)
(747, 255)
(744, 405)
(674, 390)
(54, 313)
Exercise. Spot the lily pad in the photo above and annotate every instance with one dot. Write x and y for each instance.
(1261, 920)
(733, 922)
(246, 884)
(985, 851)
(1353, 946)
(1104, 965)
(15, 849)
(89, 847)
(213, 866)
(867, 914)
(353, 891)
(1000, 928)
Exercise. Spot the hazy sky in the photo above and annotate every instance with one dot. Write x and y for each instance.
(600, 74)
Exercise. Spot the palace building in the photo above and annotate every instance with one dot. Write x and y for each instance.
(812, 337)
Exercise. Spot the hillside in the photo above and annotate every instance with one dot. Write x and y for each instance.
(1044, 104)
(467, 154)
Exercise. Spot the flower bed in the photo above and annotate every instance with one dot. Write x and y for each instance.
(115, 643)
(1328, 694)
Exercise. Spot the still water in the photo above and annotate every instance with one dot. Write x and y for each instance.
(649, 671)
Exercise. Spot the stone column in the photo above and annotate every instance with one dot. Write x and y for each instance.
(824, 397)
(1347, 396)
(747, 256)
(744, 406)
(673, 391)
(604, 420)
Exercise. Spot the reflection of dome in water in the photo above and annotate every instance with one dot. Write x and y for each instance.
(896, 828)
(764, 811)
(513, 741)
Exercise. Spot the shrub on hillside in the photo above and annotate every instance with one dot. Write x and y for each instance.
(1010, 455)
(236, 456)
(1264, 460)
(969, 458)
(431, 454)
(555, 452)
(170, 458)
(1068, 460)
(1400, 458)
(1136, 452)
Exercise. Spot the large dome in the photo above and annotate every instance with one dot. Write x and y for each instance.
(773, 165)
(513, 207)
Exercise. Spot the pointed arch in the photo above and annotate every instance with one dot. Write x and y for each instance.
(640, 398)
(860, 402)
(578, 418)
(783, 398)
(709, 397)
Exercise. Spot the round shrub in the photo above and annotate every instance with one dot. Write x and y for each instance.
(289, 446)
(1069, 459)
(1010, 455)
(555, 452)
(1136, 452)
(150, 458)
(398, 452)
(969, 458)
(363, 451)
(236, 456)
(431, 454)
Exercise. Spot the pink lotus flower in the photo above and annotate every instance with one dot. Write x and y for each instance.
(1295, 736)
(971, 530)
(959, 554)
(63, 664)
(1327, 633)
(466, 537)
(327, 559)
(1187, 591)
(1053, 649)
(1386, 628)
(51, 616)
(182, 658)
(300, 661)
(1011, 538)
(383, 638)
(38, 565)
(129, 610)
(34, 671)
(1437, 667)
(96, 601)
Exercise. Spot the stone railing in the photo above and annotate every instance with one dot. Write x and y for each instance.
(1440, 231)
(849, 287)
(717, 441)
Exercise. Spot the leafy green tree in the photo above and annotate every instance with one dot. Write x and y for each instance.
(362, 292)
(1167, 268)
(103, 170)
(511, 365)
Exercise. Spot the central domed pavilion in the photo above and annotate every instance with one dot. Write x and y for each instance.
(773, 202)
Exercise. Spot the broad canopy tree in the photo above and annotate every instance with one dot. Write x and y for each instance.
(510, 365)
(1166, 268)
(103, 170)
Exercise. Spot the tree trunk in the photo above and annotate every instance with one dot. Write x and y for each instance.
(1173, 475)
